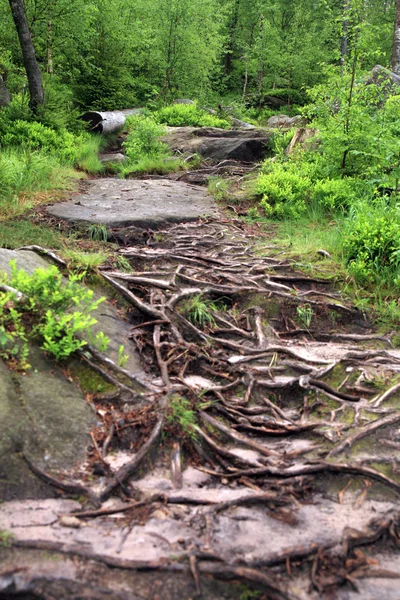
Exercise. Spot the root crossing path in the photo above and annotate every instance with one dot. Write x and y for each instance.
(256, 456)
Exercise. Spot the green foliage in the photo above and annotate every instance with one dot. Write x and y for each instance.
(143, 139)
(179, 115)
(6, 538)
(284, 192)
(122, 357)
(180, 414)
(152, 166)
(305, 315)
(97, 232)
(84, 262)
(48, 309)
(22, 174)
(123, 264)
(371, 242)
(76, 150)
(199, 310)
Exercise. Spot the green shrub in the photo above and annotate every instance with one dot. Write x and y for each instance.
(371, 240)
(180, 115)
(143, 139)
(51, 310)
(334, 194)
(68, 148)
(284, 193)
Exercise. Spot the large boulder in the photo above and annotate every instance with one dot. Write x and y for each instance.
(220, 144)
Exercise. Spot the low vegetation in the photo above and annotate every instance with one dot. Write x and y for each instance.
(45, 309)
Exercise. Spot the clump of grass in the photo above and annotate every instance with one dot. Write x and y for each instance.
(97, 232)
(305, 315)
(87, 157)
(84, 262)
(199, 310)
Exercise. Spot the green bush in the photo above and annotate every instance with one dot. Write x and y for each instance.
(284, 193)
(51, 310)
(180, 115)
(143, 139)
(371, 240)
(335, 194)
(33, 136)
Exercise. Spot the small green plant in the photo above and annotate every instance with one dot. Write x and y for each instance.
(304, 315)
(6, 538)
(199, 310)
(46, 309)
(122, 357)
(101, 341)
(248, 594)
(180, 414)
(97, 232)
(123, 264)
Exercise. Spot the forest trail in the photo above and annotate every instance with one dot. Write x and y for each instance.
(255, 456)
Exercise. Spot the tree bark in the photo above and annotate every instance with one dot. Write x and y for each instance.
(395, 62)
(345, 34)
(33, 73)
(4, 94)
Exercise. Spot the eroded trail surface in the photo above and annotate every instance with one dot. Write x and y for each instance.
(254, 457)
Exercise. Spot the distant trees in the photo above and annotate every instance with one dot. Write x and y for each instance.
(118, 53)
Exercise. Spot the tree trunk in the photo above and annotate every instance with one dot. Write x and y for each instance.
(4, 94)
(28, 54)
(345, 34)
(395, 63)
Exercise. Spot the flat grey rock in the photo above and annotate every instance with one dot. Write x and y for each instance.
(143, 203)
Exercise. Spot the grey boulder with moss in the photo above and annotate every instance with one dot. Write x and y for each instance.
(43, 413)
(247, 145)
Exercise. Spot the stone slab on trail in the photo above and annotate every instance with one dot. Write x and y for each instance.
(143, 203)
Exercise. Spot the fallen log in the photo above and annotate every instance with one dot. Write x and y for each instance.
(108, 121)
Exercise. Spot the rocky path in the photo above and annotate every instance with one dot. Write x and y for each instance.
(253, 455)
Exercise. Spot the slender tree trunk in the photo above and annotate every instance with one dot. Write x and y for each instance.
(395, 62)
(49, 66)
(5, 98)
(345, 33)
(28, 54)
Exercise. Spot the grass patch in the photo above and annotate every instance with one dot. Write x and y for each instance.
(14, 234)
(84, 262)
(23, 174)
(152, 166)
